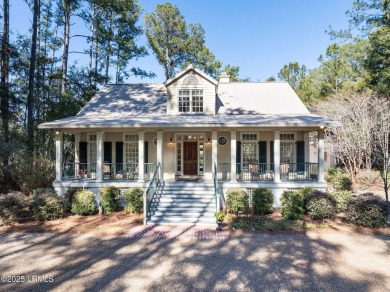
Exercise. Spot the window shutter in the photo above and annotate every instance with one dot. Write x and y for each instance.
(146, 152)
(262, 151)
(119, 156)
(300, 155)
(83, 146)
(238, 156)
(107, 153)
(272, 158)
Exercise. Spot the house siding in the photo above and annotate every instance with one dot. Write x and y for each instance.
(209, 93)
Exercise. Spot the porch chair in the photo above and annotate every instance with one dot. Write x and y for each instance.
(254, 170)
(107, 172)
(133, 173)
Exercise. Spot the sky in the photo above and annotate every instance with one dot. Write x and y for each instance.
(259, 36)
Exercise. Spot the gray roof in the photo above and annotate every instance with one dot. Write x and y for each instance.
(270, 98)
(269, 104)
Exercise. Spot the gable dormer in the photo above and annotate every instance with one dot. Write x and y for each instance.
(191, 91)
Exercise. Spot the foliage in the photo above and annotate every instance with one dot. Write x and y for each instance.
(319, 205)
(68, 198)
(262, 201)
(260, 223)
(46, 206)
(366, 210)
(306, 191)
(237, 201)
(10, 209)
(342, 198)
(134, 200)
(110, 198)
(33, 174)
(83, 203)
(219, 216)
(292, 205)
(293, 74)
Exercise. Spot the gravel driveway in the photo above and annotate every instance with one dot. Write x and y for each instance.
(313, 261)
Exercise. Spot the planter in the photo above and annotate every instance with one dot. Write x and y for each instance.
(219, 222)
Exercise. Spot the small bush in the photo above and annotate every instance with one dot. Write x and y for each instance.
(83, 203)
(110, 198)
(292, 205)
(339, 180)
(342, 199)
(319, 205)
(366, 210)
(47, 206)
(262, 201)
(68, 198)
(10, 209)
(306, 191)
(134, 200)
(237, 201)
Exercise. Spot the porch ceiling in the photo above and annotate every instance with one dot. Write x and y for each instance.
(202, 121)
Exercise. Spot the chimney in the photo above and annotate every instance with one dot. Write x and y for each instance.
(224, 78)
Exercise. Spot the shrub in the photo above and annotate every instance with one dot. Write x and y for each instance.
(83, 203)
(10, 209)
(339, 180)
(134, 200)
(262, 201)
(110, 198)
(342, 199)
(319, 205)
(237, 201)
(33, 174)
(47, 206)
(68, 198)
(292, 205)
(366, 210)
(306, 191)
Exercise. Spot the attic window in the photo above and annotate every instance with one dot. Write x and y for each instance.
(191, 101)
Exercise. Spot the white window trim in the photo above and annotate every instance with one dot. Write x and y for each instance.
(88, 147)
(190, 88)
(294, 154)
(124, 145)
(257, 144)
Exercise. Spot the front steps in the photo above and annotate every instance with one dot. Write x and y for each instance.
(184, 203)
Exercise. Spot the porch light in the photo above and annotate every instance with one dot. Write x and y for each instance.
(57, 132)
(170, 140)
(322, 127)
(208, 140)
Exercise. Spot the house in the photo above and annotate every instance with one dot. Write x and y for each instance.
(189, 140)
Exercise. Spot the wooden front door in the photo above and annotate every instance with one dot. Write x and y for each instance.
(190, 158)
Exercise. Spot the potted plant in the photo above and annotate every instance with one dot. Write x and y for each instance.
(219, 216)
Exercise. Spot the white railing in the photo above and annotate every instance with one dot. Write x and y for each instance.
(151, 191)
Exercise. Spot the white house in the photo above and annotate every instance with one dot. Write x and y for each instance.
(189, 140)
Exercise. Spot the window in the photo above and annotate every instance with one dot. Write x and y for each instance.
(191, 101)
(131, 148)
(249, 148)
(287, 143)
(222, 141)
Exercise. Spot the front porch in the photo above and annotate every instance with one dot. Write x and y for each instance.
(258, 156)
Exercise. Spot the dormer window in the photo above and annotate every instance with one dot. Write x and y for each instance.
(191, 101)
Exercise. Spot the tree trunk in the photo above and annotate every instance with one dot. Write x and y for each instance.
(65, 50)
(30, 98)
(5, 50)
(108, 49)
(91, 44)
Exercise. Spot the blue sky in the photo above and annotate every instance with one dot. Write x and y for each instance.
(257, 35)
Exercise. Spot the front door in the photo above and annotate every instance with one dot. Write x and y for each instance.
(190, 158)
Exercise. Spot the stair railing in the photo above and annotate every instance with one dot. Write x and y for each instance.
(216, 189)
(151, 191)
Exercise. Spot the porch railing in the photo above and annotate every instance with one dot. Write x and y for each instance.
(151, 191)
(73, 171)
(248, 171)
(299, 171)
(110, 171)
(224, 171)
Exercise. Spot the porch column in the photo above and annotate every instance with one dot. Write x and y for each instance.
(321, 151)
(307, 146)
(233, 153)
(277, 156)
(160, 151)
(99, 156)
(76, 154)
(214, 155)
(141, 151)
(59, 152)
